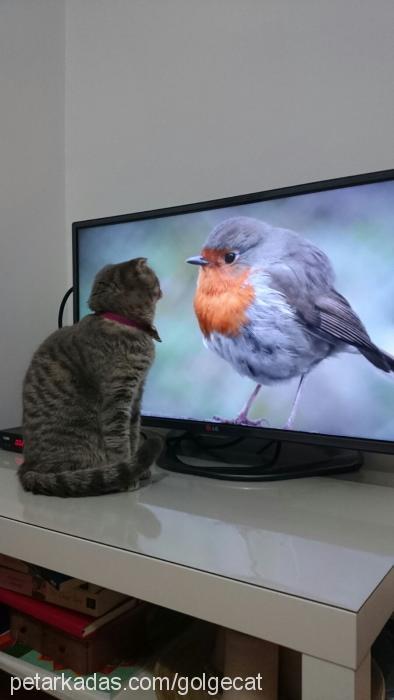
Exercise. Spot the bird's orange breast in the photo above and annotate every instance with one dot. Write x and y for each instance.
(221, 301)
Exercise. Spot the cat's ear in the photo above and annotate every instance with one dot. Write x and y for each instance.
(140, 264)
(140, 267)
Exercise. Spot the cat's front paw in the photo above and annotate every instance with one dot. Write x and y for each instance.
(148, 452)
(155, 445)
(142, 480)
(145, 477)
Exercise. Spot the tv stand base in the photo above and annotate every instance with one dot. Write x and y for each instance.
(254, 460)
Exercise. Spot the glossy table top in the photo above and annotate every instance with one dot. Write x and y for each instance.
(329, 540)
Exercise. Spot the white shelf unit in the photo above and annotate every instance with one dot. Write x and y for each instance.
(307, 564)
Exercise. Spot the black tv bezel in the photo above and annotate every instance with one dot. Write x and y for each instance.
(223, 429)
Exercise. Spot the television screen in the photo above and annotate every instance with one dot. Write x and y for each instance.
(277, 309)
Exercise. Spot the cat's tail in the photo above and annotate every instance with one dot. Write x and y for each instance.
(93, 481)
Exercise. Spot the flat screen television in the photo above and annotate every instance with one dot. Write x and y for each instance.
(277, 316)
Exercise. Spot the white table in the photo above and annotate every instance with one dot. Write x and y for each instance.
(307, 563)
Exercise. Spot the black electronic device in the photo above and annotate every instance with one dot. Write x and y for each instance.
(289, 289)
(12, 439)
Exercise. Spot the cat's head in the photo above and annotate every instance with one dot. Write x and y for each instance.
(128, 288)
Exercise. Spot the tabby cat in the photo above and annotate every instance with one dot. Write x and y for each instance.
(82, 392)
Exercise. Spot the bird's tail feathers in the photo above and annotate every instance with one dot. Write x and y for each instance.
(381, 359)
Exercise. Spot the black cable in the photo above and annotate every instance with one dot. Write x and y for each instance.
(266, 447)
(278, 449)
(61, 307)
(222, 445)
(227, 471)
(198, 442)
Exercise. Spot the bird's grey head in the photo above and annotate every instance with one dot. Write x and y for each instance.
(234, 242)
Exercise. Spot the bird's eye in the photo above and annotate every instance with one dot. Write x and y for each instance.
(229, 258)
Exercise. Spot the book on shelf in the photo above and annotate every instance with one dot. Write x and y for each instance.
(57, 588)
(14, 564)
(74, 623)
(54, 578)
(35, 581)
(114, 641)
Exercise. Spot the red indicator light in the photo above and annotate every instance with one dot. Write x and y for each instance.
(18, 442)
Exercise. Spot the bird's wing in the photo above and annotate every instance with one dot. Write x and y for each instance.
(337, 318)
(322, 309)
(328, 315)
(339, 321)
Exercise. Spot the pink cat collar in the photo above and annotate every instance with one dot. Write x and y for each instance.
(133, 322)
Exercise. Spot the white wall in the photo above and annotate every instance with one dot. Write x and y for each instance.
(32, 211)
(171, 101)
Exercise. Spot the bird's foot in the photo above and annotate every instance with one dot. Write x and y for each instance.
(243, 419)
(289, 425)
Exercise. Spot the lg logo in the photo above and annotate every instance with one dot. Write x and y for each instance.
(209, 428)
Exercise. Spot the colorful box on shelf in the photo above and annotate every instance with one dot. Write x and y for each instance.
(94, 642)
(75, 623)
(32, 580)
(14, 564)
(59, 589)
(85, 598)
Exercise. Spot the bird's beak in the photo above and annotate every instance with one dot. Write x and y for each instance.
(197, 260)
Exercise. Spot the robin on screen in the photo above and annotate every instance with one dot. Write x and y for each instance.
(266, 304)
